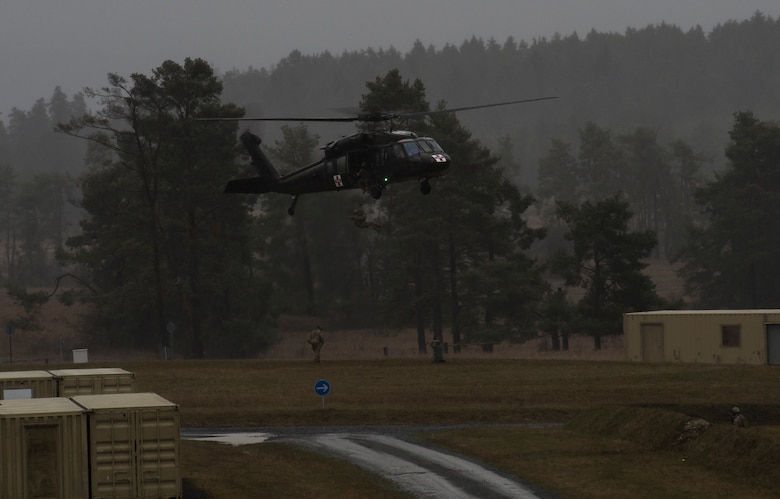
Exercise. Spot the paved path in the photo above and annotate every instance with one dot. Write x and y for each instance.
(423, 471)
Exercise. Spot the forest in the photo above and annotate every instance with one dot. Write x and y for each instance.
(662, 144)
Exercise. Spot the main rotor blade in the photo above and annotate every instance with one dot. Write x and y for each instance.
(378, 116)
(333, 120)
(468, 108)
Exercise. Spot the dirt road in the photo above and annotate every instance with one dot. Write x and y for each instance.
(387, 451)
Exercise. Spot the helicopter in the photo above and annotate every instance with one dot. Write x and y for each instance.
(368, 160)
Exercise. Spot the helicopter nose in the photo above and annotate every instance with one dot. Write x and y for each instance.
(440, 158)
(438, 161)
(430, 163)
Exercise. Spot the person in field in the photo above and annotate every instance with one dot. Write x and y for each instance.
(737, 418)
(316, 340)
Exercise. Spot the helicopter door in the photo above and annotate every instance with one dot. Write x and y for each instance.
(358, 164)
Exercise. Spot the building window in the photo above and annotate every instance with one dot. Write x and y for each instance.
(731, 336)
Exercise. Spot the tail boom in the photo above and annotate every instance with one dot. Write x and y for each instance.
(253, 185)
(268, 179)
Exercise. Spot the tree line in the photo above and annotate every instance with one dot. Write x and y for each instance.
(682, 84)
(162, 249)
(657, 180)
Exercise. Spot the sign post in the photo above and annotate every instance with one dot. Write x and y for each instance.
(322, 388)
(10, 330)
(170, 327)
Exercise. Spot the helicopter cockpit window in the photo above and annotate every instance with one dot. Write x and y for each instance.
(426, 144)
(432, 144)
(411, 148)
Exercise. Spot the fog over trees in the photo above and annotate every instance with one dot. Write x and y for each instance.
(136, 214)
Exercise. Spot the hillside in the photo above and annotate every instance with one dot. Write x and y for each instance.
(58, 336)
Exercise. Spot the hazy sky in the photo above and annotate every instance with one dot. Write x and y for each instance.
(75, 43)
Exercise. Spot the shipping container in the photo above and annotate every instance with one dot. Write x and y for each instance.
(134, 445)
(72, 382)
(43, 449)
(27, 385)
(703, 336)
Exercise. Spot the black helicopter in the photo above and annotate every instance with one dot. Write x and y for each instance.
(369, 160)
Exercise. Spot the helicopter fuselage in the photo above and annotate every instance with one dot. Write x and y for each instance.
(373, 159)
(365, 160)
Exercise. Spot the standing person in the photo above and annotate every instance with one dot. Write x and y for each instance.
(316, 340)
(737, 418)
(438, 347)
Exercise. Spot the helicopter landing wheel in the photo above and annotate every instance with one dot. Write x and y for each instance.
(291, 209)
(425, 187)
(376, 191)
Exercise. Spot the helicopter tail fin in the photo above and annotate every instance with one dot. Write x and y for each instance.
(259, 159)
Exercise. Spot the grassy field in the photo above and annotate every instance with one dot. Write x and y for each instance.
(624, 433)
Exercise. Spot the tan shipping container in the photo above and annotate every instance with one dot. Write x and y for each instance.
(72, 382)
(43, 449)
(27, 385)
(134, 445)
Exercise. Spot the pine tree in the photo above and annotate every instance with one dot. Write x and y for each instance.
(606, 259)
(163, 243)
(731, 260)
(459, 252)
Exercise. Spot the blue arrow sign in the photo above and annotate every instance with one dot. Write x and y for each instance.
(322, 388)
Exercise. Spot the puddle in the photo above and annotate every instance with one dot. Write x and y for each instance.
(233, 438)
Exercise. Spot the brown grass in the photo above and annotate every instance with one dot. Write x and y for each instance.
(513, 384)
(402, 344)
(601, 453)
(463, 390)
(273, 470)
(613, 454)
(572, 463)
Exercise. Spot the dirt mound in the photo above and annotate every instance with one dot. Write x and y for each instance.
(744, 452)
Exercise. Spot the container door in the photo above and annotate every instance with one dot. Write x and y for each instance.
(113, 450)
(43, 474)
(652, 342)
(773, 344)
(135, 454)
(158, 453)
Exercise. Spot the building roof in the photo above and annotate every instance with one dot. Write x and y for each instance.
(122, 401)
(38, 407)
(97, 371)
(767, 311)
(18, 375)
